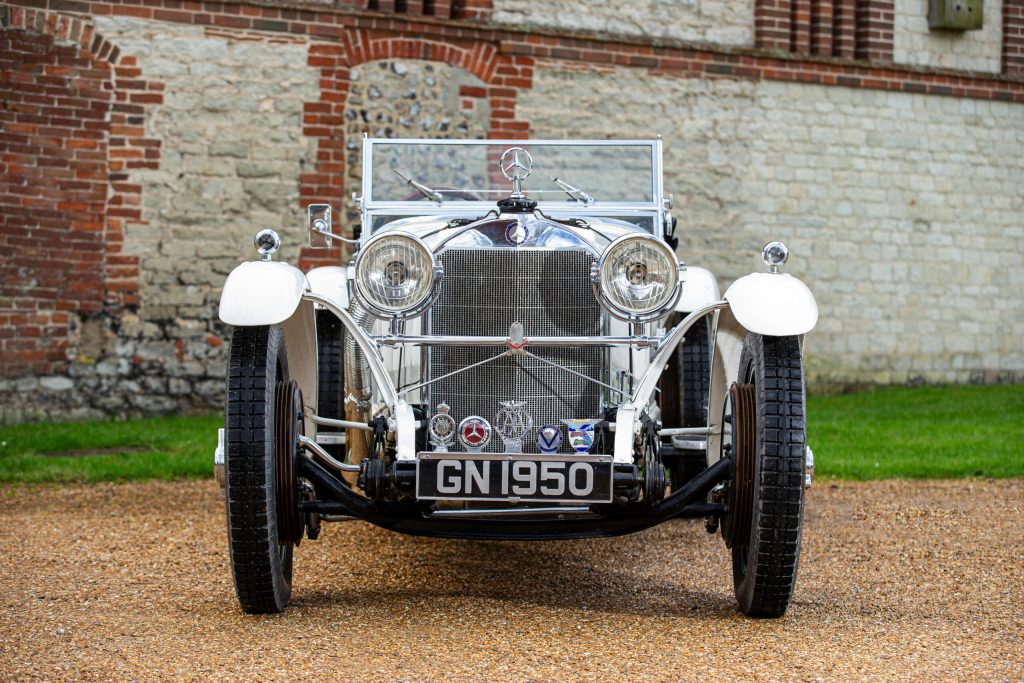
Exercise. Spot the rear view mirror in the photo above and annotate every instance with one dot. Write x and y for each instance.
(319, 221)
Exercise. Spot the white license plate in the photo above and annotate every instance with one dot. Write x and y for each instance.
(502, 477)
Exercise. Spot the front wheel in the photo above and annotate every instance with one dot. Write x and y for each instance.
(765, 496)
(260, 429)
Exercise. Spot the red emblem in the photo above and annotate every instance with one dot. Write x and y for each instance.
(474, 433)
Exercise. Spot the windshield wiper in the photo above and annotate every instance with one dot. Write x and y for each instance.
(423, 189)
(574, 192)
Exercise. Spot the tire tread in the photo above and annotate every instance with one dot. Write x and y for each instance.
(778, 515)
(262, 582)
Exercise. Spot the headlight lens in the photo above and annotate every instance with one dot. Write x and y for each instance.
(395, 274)
(638, 277)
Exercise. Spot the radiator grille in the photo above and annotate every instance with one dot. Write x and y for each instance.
(483, 293)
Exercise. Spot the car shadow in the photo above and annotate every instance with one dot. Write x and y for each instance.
(609, 575)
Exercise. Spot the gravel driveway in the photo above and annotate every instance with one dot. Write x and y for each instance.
(897, 581)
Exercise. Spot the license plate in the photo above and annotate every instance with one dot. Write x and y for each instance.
(501, 477)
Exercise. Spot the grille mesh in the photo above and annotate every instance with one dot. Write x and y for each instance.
(483, 293)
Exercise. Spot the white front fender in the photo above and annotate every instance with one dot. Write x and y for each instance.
(330, 282)
(699, 290)
(773, 304)
(261, 293)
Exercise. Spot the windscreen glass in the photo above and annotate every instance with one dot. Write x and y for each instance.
(590, 174)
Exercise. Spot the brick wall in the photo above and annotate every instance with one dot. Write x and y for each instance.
(861, 29)
(223, 117)
(53, 197)
(1013, 37)
(68, 135)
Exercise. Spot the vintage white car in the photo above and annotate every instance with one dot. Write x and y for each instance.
(515, 352)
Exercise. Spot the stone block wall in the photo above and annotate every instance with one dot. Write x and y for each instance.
(968, 50)
(909, 230)
(723, 22)
(897, 188)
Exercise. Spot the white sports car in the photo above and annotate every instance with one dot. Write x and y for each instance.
(515, 352)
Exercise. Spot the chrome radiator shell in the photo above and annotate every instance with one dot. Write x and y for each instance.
(549, 292)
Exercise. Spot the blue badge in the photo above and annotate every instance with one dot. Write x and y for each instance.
(516, 233)
(549, 439)
(581, 434)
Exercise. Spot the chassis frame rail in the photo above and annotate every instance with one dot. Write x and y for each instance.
(608, 520)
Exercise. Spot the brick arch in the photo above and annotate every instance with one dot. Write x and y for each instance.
(480, 59)
(74, 126)
(77, 30)
(323, 121)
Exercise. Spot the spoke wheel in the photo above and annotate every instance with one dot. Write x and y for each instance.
(763, 524)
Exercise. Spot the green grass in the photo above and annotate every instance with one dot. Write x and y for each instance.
(931, 432)
(171, 448)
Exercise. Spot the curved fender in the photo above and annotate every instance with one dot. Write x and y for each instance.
(773, 304)
(699, 290)
(261, 293)
(725, 364)
(330, 282)
(300, 347)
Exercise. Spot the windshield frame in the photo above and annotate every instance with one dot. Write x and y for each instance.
(653, 210)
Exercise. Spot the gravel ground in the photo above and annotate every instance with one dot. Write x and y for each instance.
(898, 580)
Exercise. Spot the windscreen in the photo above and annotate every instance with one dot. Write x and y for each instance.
(468, 171)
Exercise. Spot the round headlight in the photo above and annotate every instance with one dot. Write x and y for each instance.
(395, 274)
(638, 277)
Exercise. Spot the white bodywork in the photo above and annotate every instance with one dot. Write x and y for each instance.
(773, 304)
(701, 289)
(770, 304)
(261, 293)
(330, 282)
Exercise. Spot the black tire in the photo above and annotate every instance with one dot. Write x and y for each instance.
(693, 360)
(330, 362)
(260, 564)
(764, 568)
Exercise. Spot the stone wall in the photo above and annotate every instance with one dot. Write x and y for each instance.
(978, 50)
(910, 232)
(725, 22)
(898, 190)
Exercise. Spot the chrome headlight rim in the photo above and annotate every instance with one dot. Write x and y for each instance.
(634, 316)
(372, 305)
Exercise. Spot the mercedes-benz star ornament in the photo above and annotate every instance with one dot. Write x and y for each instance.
(512, 423)
(516, 163)
(474, 433)
(442, 428)
(517, 232)
(549, 439)
(581, 434)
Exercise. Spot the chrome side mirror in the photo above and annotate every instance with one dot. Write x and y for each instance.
(318, 219)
